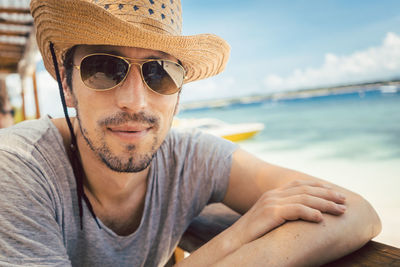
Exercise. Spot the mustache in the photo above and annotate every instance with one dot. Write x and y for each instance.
(125, 117)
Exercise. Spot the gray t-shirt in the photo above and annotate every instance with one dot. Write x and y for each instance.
(39, 221)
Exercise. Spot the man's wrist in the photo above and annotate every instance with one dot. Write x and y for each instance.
(231, 239)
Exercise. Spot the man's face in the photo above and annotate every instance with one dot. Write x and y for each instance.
(126, 125)
(6, 119)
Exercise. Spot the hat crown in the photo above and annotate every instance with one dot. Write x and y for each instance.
(149, 24)
(161, 16)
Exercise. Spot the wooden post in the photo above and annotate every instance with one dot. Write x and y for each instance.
(2, 85)
(36, 94)
(23, 98)
(179, 255)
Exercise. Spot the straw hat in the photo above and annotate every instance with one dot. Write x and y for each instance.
(151, 24)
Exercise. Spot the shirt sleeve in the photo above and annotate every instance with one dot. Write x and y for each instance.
(204, 162)
(29, 232)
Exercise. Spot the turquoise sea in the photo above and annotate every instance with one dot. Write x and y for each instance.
(352, 126)
(350, 139)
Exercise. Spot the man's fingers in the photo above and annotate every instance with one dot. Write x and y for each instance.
(297, 211)
(297, 183)
(321, 192)
(323, 205)
(299, 200)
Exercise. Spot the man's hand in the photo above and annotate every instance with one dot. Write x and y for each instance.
(300, 199)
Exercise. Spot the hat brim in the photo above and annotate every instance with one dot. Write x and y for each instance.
(78, 22)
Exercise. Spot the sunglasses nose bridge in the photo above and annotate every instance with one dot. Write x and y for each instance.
(132, 93)
(134, 72)
(140, 69)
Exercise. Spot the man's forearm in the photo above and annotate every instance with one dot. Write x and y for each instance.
(310, 244)
(261, 236)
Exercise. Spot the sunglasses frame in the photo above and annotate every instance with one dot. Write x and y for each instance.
(130, 62)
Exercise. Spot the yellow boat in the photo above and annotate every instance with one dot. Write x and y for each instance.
(233, 132)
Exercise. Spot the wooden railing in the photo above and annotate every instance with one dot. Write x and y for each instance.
(217, 217)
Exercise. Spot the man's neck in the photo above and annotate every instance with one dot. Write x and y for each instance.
(104, 184)
(117, 198)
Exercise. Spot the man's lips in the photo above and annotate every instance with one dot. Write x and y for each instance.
(129, 128)
(130, 132)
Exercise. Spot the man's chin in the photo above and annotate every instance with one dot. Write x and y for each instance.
(127, 166)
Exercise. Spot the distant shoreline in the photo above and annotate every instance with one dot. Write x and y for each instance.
(287, 95)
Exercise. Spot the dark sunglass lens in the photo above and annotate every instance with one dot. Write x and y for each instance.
(5, 112)
(162, 76)
(103, 71)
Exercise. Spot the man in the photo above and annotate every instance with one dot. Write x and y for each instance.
(6, 111)
(115, 187)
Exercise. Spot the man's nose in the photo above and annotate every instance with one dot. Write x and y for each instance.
(132, 93)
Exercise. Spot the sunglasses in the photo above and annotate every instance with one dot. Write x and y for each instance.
(5, 112)
(103, 72)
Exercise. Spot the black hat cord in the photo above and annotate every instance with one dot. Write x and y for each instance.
(75, 158)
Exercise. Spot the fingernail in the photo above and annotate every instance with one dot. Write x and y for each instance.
(341, 207)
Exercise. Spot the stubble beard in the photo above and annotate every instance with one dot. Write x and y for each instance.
(135, 162)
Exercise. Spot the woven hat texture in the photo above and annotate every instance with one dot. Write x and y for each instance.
(151, 24)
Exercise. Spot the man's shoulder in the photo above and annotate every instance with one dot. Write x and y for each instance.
(26, 137)
(32, 155)
(193, 159)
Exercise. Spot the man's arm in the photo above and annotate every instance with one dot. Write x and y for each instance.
(272, 196)
(300, 243)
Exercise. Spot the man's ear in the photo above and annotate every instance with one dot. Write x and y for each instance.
(69, 97)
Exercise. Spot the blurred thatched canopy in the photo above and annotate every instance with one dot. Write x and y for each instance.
(17, 42)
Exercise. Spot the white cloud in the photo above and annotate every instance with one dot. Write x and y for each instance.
(381, 62)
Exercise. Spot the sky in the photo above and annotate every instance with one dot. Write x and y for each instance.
(298, 44)
(286, 45)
